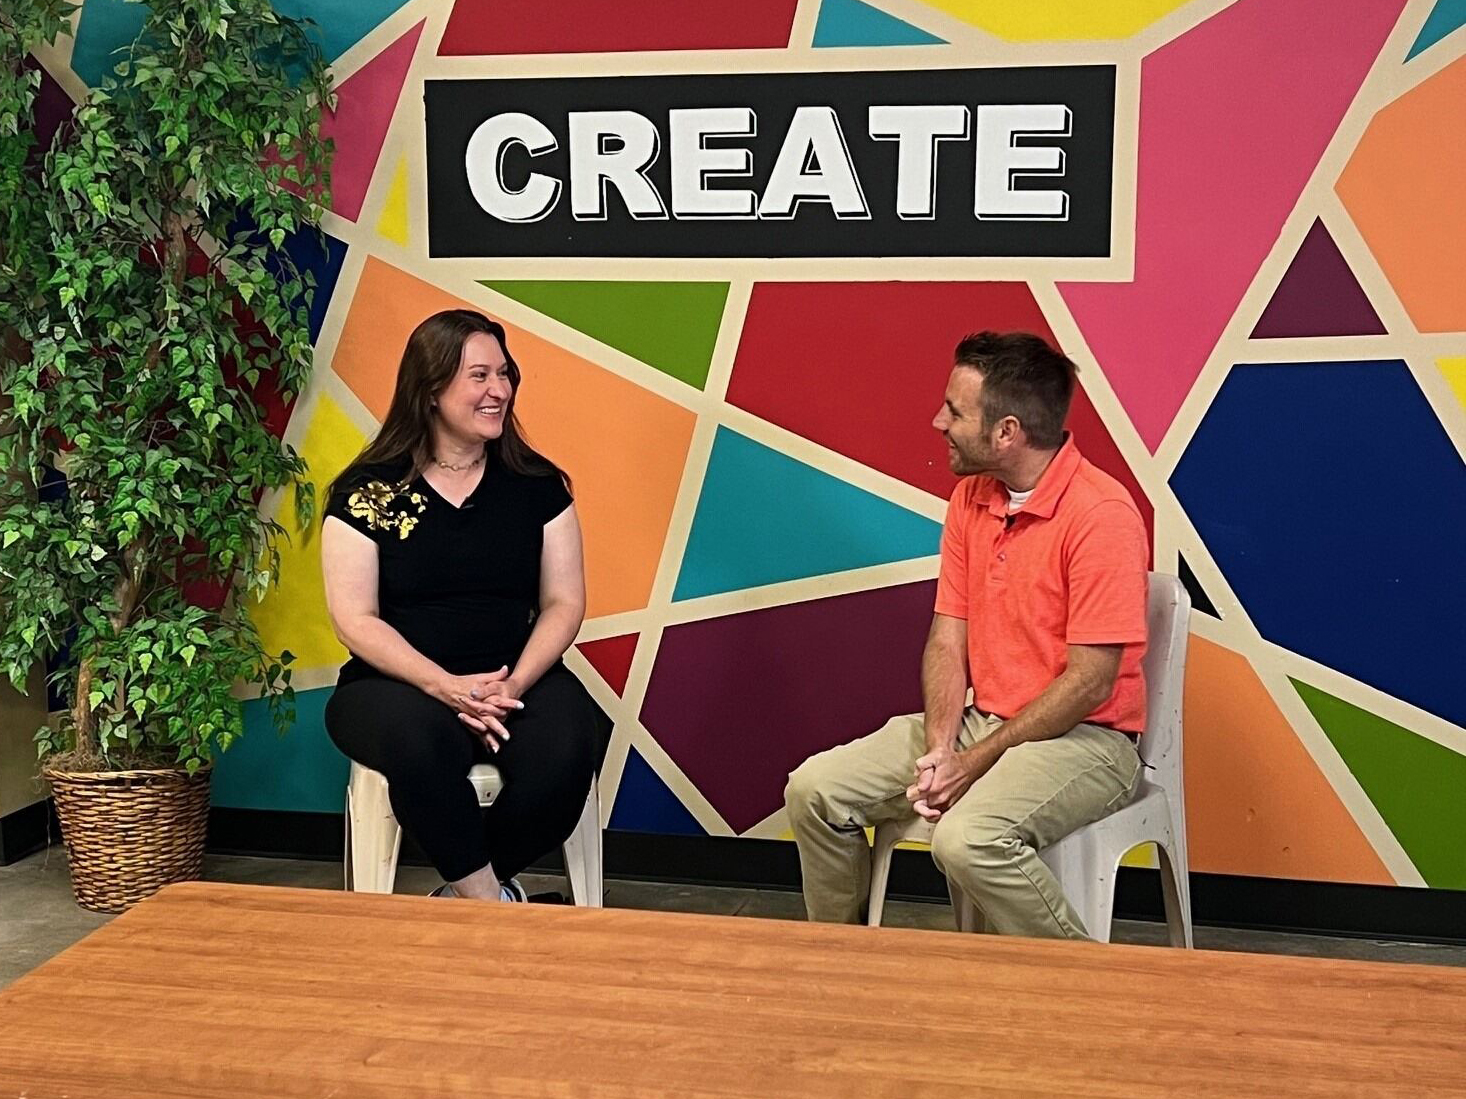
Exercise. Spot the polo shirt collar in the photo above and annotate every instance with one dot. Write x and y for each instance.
(1051, 484)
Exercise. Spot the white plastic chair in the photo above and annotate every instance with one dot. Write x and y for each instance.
(1087, 861)
(374, 838)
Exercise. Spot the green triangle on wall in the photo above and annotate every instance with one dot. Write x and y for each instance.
(668, 325)
(1416, 784)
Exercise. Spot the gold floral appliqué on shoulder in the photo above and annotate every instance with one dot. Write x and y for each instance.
(387, 507)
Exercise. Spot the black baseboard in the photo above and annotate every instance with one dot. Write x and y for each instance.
(276, 834)
(27, 830)
(1217, 900)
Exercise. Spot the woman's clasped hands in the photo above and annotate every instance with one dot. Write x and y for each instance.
(482, 701)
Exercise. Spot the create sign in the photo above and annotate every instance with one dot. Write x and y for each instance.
(937, 162)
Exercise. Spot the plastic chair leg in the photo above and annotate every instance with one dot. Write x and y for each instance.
(1176, 891)
(346, 844)
(582, 851)
(1085, 867)
(880, 873)
(375, 839)
(1096, 904)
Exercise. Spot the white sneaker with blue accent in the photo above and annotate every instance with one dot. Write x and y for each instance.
(510, 890)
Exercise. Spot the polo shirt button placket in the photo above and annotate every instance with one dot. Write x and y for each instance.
(998, 573)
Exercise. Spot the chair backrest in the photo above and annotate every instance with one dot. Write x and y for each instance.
(1168, 620)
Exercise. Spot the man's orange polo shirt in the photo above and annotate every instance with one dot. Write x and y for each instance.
(1070, 569)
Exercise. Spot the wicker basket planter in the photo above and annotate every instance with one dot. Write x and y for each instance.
(129, 833)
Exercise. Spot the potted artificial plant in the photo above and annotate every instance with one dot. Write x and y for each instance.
(151, 317)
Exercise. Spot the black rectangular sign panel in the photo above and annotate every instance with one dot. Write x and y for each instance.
(1009, 162)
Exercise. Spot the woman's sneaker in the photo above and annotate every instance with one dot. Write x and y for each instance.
(508, 891)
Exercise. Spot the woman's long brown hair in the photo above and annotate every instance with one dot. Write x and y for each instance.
(429, 362)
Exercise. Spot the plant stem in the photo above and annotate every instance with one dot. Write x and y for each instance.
(83, 720)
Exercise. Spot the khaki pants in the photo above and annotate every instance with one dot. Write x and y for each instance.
(987, 844)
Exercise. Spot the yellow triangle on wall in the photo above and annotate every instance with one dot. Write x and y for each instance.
(293, 614)
(393, 222)
(1455, 371)
(1058, 20)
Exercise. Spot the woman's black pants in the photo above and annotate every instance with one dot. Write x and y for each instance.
(425, 752)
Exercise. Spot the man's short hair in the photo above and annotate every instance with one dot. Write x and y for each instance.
(1022, 377)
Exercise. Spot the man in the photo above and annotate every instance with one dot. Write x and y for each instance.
(1041, 609)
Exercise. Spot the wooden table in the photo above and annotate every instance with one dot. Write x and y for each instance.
(240, 991)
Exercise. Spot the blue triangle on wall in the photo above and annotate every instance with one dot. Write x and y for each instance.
(645, 804)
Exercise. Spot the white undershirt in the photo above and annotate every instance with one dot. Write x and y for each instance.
(1016, 500)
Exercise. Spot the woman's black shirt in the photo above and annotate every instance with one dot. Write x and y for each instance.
(461, 585)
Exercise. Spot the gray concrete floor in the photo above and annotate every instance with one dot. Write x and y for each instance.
(39, 918)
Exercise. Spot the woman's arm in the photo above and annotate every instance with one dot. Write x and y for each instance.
(562, 603)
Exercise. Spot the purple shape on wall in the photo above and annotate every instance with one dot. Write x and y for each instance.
(52, 107)
(740, 701)
(1319, 296)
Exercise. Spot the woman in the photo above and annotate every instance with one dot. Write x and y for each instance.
(453, 568)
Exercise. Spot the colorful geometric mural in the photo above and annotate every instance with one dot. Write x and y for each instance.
(1273, 360)
(1219, 174)
(1402, 188)
(1316, 567)
(1256, 800)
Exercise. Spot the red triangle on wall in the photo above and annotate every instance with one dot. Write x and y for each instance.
(611, 657)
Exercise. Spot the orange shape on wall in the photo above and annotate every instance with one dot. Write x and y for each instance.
(1403, 189)
(1256, 802)
(623, 446)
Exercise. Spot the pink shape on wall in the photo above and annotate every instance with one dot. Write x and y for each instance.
(1234, 116)
(364, 105)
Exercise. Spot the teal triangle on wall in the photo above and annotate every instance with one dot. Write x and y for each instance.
(104, 29)
(1415, 783)
(108, 26)
(853, 23)
(764, 518)
(1447, 17)
(672, 326)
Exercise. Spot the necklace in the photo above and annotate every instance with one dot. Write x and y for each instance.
(459, 469)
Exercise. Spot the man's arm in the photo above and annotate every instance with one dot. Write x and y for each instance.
(1080, 689)
(1074, 694)
(944, 674)
(944, 681)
